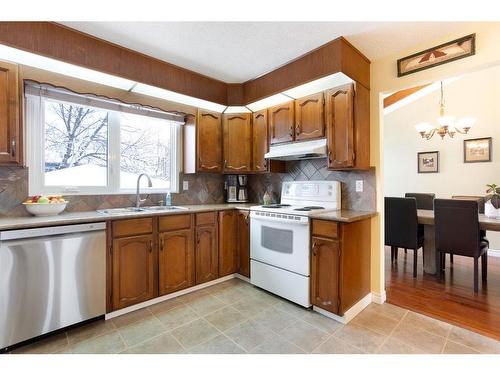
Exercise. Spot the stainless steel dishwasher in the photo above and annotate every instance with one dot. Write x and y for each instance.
(50, 278)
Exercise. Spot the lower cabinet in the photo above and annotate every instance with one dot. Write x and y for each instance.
(207, 263)
(228, 245)
(133, 270)
(175, 261)
(243, 231)
(340, 264)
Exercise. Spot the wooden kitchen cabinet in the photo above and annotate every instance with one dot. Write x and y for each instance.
(281, 122)
(206, 253)
(340, 264)
(310, 117)
(260, 141)
(133, 262)
(348, 127)
(243, 242)
(228, 244)
(208, 141)
(176, 263)
(237, 135)
(10, 123)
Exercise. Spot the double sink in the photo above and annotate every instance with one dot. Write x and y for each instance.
(124, 210)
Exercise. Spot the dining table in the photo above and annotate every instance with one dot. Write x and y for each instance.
(426, 217)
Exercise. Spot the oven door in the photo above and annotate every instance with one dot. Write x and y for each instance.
(280, 243)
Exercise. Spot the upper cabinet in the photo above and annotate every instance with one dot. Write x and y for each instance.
(237, 142)
(310, 117)
(10, 124)
(348, 127)
(208, 141)
(281, 122)
(260, 141)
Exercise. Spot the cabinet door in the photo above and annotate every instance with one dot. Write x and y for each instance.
(10, 125)
(244, 242)
(133, 270)
(260, 141)
(206, 253)
(208, 142)
(228, 245)
(176, 261)
(340, 127)
(281, 119)
(325, 261)
(310, 117)
(237, 142)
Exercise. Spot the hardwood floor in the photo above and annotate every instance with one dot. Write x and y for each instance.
(453, 299)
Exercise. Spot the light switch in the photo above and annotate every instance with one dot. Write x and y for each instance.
(185, 185)
(359, 186)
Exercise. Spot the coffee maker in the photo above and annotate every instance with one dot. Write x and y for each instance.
(236, 188)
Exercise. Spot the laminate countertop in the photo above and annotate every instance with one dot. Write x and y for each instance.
(344, 216)
(65, 218)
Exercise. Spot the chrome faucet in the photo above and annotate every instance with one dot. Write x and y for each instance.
(138, 199)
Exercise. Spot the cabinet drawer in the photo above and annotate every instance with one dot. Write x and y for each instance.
(174, 222)
(205, 218)
(132, 227)
(324, 228)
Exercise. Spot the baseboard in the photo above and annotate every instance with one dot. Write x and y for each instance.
(493, 253)
(154, 301)
(379, 298)
(349, 314)
(241, 277)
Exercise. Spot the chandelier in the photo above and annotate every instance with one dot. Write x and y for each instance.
(447, 125)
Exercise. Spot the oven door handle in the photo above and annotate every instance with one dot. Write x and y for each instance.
(302, 221)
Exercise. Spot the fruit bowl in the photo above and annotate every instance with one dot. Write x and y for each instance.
(45, 209)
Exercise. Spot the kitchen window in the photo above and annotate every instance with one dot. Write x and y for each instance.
(81, 144)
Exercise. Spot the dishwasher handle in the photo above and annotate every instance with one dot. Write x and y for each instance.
(51, 231)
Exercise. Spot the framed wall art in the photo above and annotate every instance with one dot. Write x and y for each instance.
(477, 150)
(428, 162)
(442, 54)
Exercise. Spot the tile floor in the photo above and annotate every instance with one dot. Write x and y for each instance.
(235, 317)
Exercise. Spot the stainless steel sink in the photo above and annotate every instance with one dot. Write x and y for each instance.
(124, 210)
(163, 208)
(120, 210)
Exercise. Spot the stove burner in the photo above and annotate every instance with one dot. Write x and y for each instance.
(277, 205)
(309, 208)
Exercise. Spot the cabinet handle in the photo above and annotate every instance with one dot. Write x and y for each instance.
(298, 130)
(225, 163)
(150, 246)
(329, 157)
(314, 247)
(13, 147)
(291, 131)
(162, 243)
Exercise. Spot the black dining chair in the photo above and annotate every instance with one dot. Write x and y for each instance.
(425, 201)
(480, 202)
(401, 227)
(457, 232)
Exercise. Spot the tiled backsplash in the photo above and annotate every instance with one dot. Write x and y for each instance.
(203, 188)
(315, 169)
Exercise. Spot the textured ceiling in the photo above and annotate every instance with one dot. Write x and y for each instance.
(239, 51)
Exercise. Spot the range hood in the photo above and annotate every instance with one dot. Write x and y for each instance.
(298, 150)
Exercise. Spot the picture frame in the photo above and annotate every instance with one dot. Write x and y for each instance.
(438, 55)
(477, 150)
(428, 162)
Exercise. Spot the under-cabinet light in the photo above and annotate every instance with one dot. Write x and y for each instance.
(318, 85)
(268, 102)
(41, 62)
(237, 109)
(176, 97)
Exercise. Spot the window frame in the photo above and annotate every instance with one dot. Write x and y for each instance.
(35, 150)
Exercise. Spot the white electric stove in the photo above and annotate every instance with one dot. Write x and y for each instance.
(279, 237)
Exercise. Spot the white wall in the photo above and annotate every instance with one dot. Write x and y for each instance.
(475, 94)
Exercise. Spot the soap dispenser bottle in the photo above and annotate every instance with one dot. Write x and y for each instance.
(168, 199)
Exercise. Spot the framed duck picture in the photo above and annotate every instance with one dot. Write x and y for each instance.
(428, 162)
(477, 150)
(442, 54)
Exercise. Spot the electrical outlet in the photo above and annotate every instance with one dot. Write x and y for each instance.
(359, 186)
(185, 185)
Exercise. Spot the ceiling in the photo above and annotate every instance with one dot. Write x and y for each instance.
(235, 52)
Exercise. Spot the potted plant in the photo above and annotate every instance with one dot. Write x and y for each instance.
(492, 201)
